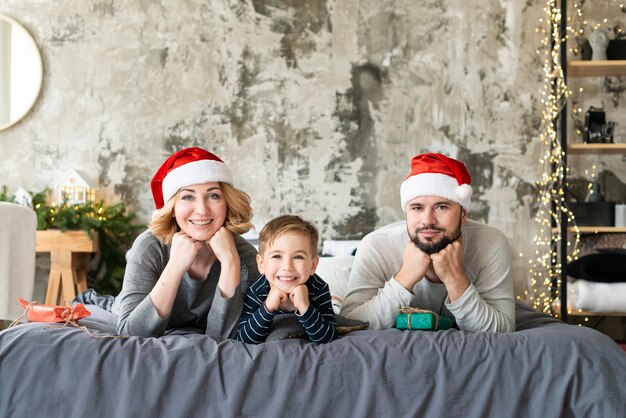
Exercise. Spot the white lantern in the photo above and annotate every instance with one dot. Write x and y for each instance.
(74, 189)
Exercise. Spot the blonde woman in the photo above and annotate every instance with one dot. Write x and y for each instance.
(191, 268)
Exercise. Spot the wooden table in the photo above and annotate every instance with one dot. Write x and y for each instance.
(68, 262)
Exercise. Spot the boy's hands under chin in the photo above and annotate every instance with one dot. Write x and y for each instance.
(299, 296)
(276, 298)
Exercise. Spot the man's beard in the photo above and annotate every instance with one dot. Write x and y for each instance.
(434, 247)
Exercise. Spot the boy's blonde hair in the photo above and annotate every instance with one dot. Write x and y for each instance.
(287, 223)
(238, 214)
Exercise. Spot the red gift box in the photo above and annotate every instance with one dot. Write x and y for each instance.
(38, 312)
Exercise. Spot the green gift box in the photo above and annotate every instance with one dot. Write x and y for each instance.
(428, 321)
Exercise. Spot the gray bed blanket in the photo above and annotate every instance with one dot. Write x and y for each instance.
(544, 369)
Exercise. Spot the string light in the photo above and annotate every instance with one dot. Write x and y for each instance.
(545, 269)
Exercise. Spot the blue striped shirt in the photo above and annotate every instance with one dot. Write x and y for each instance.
(318, 321)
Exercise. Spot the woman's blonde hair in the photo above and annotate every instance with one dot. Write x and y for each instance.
(238, 214)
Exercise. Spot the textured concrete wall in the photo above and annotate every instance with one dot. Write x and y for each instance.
(317, 106)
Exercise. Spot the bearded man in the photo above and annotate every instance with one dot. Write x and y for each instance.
(437, 260)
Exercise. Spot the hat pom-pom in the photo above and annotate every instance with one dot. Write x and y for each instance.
(464, 191)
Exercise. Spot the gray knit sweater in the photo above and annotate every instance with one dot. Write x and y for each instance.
(197, 303)
(375, 296)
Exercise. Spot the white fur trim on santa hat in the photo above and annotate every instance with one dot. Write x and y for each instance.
(435, 184)
(195, 172)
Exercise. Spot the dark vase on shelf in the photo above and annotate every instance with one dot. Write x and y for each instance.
(594, 211)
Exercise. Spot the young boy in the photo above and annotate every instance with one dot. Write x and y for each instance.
(287, 260)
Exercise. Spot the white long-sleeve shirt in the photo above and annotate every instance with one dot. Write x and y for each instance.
(375, 296)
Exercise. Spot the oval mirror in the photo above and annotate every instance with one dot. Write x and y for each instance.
(21, 72)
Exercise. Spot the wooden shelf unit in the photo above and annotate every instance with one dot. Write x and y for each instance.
(596, 148)
(580, 312)
(596, 229)
(578, 69)
(613, 68)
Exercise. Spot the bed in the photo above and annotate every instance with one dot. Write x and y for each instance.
(544, 369)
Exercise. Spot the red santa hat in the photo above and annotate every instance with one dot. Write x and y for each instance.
(437, 175)
(185, 168)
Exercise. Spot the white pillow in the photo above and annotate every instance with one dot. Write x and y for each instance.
(336, 271)
(339, 247)
(596, 296)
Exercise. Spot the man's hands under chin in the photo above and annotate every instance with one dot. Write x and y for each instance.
(446, 266)
(415, 264)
